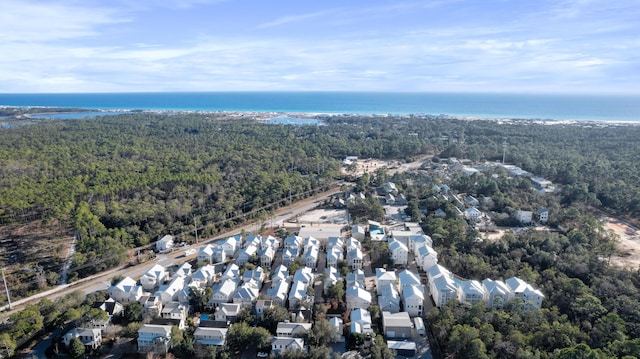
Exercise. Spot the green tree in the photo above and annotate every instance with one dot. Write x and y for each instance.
(7, 345)
(76, 348)
(272, 316)
(133, 312)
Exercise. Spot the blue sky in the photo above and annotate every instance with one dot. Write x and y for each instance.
(526, 46)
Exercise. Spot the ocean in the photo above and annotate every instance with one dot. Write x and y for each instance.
(473, 105)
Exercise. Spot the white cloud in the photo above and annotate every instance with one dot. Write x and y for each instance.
(38, 21)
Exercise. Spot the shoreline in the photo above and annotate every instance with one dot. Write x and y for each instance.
(263, 116)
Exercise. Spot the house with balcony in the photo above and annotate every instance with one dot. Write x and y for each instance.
(127, 290)
(90, 338)
(280, 345)
(471, 291)
(498, 293)
(413, 300)
(210, 336)
(153, 277)
(154, 338)
(222, 292)
(399, 252)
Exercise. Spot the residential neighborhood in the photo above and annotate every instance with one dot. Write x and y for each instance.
(317, 266)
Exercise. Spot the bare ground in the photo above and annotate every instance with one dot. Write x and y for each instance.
(370, 165)
(628, 244)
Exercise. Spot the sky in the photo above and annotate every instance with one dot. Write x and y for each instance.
(522, 46)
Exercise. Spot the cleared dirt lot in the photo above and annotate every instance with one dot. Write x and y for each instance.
(628, 245)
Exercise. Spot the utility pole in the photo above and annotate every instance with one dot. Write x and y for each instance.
(195, 226)
(6, 289)
(504, 150)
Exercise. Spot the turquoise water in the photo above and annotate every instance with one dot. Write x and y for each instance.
(558, 107)
(76, 115)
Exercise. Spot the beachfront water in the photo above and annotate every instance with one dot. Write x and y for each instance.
(557, 107)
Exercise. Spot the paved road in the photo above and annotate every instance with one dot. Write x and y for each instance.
(102, 280)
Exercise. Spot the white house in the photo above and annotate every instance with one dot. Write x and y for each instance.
(498, 293)
(204, 276)
(532, 297)
(355, 278)
(151, 306)
(354, 258)
(436, 271)
(184, 270)
(390, 187)
(154, 338)
(334, 255)
(471, 291)
(270, 242)
(232, 272)
(472, 214)
(389, 299)
(289, 255)
(246, 295)
(337, 324)
(176, 312)
(299, 294)
(417, 240)
(305, 275)
(280, 345)
(443, 290)
(127, 290)
(413, 300)
(154, 277)
(266, 256)
(169, 292)
(291, 330)
(331, 277)
(109, 306)
(205, 254)
(91, 338)
(357, 298)
(399, 252)
(279, 291)
(524, 217)
(165, 244)
(426, 257)
(227, 312)
(231, 245)
(311, 256)
(543, 215)
(293, 242)
(222, 292)
(210, 336)
(245, 254)
(384, 278)
(280, 272)
(407, 278)
(218, 255)
(353, 243)
(360, 321)
(254, 277)
(253, 240)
